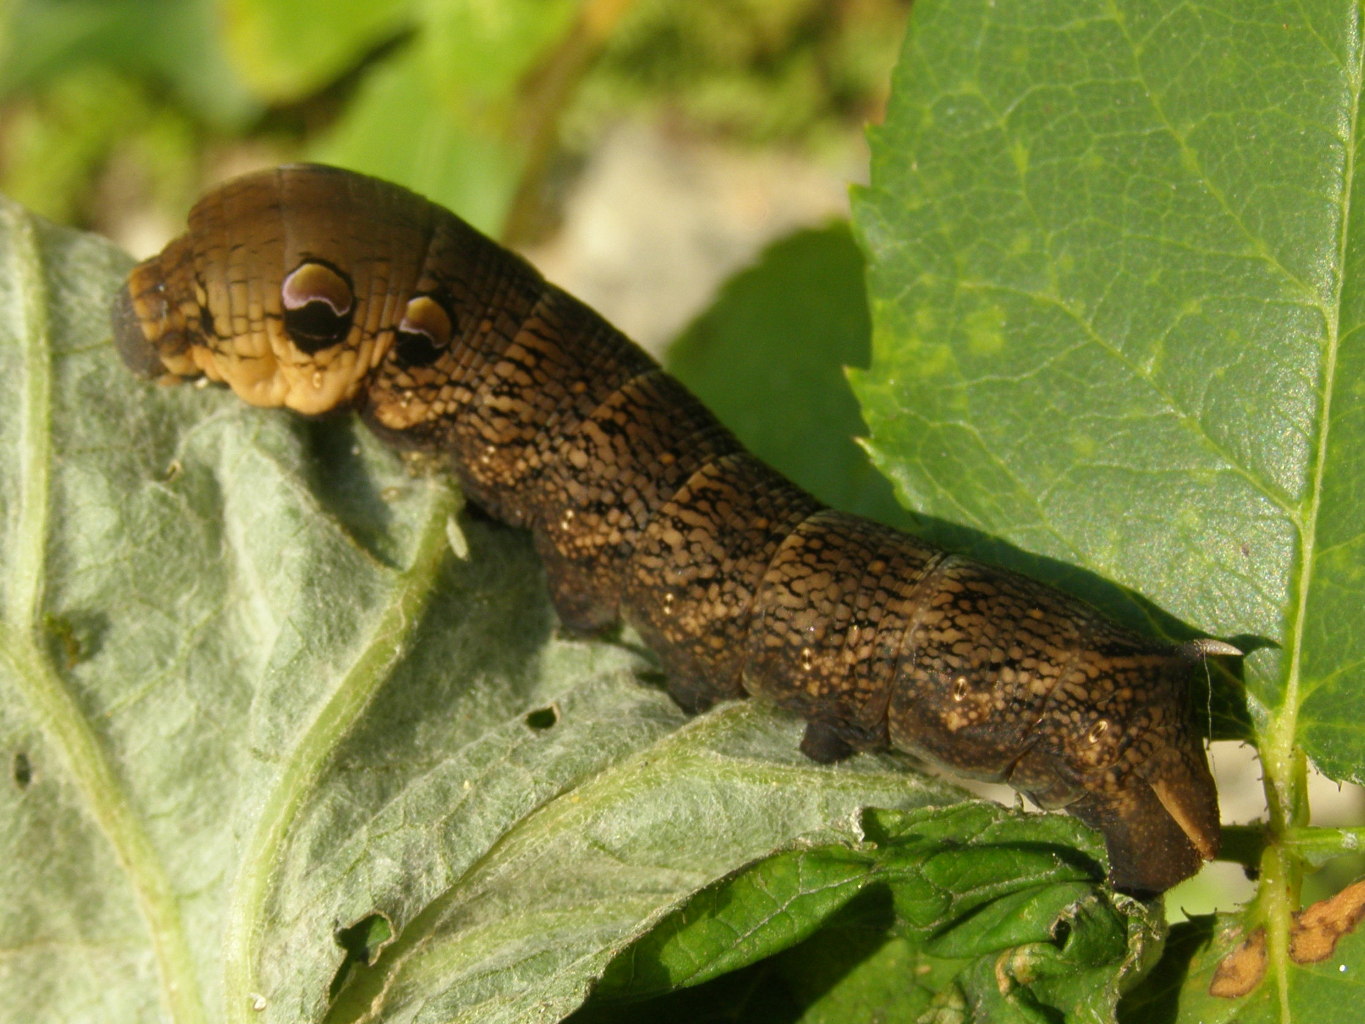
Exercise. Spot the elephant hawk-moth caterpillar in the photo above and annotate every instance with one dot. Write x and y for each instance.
(315, 288)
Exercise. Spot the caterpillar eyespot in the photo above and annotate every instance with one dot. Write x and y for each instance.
(317, 306)
(645, 508)
(422, 333)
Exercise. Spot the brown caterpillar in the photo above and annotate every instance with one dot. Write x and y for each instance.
(315, 288)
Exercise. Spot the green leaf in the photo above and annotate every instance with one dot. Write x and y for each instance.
(1113, 252)
(64, 137)
(944, 893)
(783, 332)
(1068, 314)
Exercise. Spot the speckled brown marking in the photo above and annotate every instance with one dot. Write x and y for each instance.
(316, 289)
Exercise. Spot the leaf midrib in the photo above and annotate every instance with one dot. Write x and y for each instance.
(59, 714)
(309, 756)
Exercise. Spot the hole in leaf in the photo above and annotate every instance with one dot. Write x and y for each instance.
(22, 770)
(1061, 931)
(362, 942)
(543, 718)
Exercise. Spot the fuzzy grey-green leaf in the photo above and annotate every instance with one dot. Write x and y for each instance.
(250, 699)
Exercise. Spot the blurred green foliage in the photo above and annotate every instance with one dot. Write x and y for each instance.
(111, 106)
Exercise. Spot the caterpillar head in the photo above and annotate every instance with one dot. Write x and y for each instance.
(291, 286)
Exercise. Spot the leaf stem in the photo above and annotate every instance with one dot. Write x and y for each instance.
(1314, 845)
(1317, 845)
(1277, 899)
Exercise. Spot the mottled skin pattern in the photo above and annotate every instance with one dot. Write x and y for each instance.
(315, 289)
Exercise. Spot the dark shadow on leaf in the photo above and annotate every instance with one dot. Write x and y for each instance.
(1157, 1000)
(338, 479)
(753, 995)
(477, 513)
(776, 990)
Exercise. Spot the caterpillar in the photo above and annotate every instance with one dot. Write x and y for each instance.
(317, 289)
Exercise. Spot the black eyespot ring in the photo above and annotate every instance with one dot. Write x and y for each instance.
(318, 306)
(424, 332)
